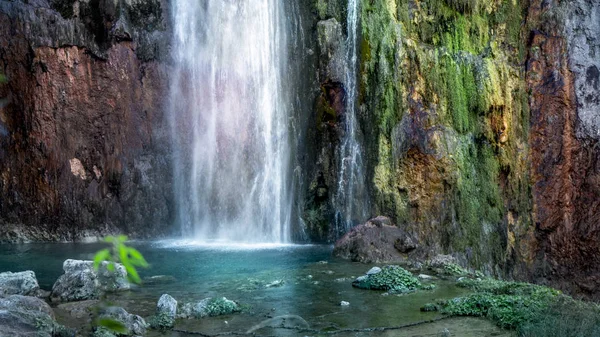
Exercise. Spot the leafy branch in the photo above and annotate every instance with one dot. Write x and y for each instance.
(131, 259)
(119, 252)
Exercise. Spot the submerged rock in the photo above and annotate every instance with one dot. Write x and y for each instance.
(377, 241)
(78, 310)
(25, 316)
(22, 283)
(275, 284)
(81, 282)
(159, 279)
(208, 307)
(390, 278)
(284, 322)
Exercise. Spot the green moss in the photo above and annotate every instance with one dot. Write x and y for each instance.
(530, 309)
(321, 7)
(379, 77)
(161, 321)
(391, 278)
(221, 306)
(455, 270)
(497, 287)
(456, 65)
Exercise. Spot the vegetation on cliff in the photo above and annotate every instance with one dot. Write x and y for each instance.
(443, 81)
(529, 309)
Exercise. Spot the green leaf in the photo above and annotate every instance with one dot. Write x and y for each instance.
(132, 274)
(111, 267)
(103, 255)
(2, 79)
(137, 259)
(109, 239)
(113, 325)
(123, 256)
(122, 238)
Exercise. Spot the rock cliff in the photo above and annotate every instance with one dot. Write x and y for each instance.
(83, 147)
(480, 122)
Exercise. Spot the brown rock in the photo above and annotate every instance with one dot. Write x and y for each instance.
(377, 241)
(83, 142)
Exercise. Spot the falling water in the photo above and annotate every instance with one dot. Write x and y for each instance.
(350, 200)
(229, 120)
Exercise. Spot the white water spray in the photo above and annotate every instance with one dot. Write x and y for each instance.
(229, 120)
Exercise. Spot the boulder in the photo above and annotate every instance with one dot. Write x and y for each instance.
(22, 283)
(440, 261)
(82, 282)
(25, 316)
(166, 313)
(135, 325)
(377, 241)
(208, 307)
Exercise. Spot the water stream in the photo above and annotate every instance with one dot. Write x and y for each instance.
(229, 120)
(350, 198)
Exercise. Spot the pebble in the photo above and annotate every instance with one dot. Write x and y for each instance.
(344, 303)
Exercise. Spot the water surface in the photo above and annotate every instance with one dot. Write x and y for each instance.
(268, 280)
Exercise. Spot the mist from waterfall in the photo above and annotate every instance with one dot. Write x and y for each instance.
(229, 115)
(350, 200)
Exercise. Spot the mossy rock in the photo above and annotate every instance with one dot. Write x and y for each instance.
(390, 278)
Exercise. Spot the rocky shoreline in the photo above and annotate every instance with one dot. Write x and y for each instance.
(78, 301)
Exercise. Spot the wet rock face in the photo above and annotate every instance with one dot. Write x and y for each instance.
(84, 148)
(564, 139)
(581, 29)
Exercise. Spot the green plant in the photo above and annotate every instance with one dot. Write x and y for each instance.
(119, 252)
(511, 305)
(130, 258)
(454, 269)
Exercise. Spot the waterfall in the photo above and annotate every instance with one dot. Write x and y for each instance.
(350, 198)
(229, 115)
